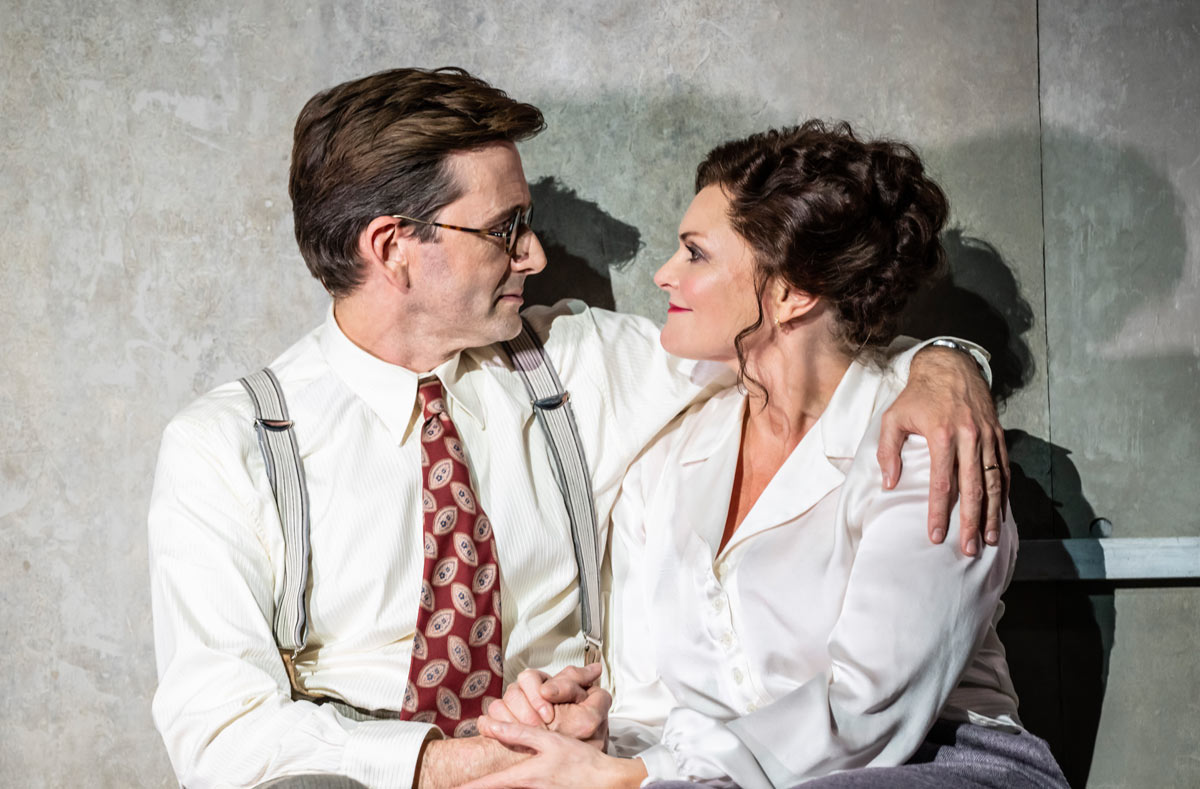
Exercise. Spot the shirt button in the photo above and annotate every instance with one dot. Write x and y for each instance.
(737, 676)
(727, 640)
(751, 707)
(718, 604)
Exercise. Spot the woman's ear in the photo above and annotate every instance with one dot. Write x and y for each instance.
(386, 247)
(787, 303)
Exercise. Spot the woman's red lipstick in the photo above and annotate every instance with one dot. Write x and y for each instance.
(673, 308)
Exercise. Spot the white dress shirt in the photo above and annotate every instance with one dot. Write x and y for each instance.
(828, 634)
(223, 703)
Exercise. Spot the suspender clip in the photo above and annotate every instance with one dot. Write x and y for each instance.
(275, 425)
(591, 649)
(552, 402)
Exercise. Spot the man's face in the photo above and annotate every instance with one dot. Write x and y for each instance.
(468, 287)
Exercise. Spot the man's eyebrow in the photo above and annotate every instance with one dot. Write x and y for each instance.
(503, 214)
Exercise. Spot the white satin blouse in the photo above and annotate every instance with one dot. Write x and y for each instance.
(828, 634)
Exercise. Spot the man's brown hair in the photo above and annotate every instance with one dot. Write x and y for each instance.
(378, 146)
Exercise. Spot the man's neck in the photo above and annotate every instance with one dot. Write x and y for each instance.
(390, 335)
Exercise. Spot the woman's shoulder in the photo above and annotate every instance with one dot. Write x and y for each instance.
(857, 443)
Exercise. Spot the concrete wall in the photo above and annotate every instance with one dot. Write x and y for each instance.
(1120, 88)
(147, 232)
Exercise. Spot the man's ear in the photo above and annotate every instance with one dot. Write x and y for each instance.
(786, 303)
(386, 247)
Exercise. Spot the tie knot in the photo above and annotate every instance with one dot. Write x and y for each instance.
(433, 402)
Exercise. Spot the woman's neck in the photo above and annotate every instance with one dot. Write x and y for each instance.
(801, 371)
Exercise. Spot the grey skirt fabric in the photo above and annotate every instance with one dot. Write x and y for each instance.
(952, 755)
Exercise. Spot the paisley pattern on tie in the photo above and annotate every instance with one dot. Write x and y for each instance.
(457, 665)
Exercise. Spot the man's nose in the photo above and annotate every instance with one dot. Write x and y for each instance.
(528, 257)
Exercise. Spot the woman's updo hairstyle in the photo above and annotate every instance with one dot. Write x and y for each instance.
(855, 223)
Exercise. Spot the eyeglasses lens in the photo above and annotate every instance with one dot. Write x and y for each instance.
(521, 219)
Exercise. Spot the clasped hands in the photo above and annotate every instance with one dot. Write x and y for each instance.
(562, 721)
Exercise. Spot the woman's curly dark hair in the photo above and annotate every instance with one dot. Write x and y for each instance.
(853, 222)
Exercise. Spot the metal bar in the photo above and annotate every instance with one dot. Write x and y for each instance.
(1111, 559)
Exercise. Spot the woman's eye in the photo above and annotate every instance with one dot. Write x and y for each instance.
(693, 253)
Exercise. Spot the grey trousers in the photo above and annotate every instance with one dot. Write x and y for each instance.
(312, 781)
(953, 755)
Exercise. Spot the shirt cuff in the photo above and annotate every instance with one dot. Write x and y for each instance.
(982, 358)
(385, 753)
(660, 765)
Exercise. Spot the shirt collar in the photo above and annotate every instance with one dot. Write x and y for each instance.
(391, 390)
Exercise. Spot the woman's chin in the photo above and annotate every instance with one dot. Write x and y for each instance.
(668, 341)
(675, 345)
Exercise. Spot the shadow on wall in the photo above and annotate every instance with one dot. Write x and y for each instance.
(1056, 652)
(582, 244)
(1114, 233)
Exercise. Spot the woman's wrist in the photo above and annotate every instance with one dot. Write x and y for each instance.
(633, 772)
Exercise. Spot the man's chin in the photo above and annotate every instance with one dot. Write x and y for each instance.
(515, 330)
(507, 326)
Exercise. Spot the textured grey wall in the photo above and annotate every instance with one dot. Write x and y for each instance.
(147, 232)
(1120, 109)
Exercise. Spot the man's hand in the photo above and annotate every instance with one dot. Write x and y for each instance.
(447, 763)
(948, 402)
(566, 703)
(558, 762)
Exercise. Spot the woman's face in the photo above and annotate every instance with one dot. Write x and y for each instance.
(709, 282)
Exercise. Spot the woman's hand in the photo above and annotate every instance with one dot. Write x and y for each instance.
(566, 703)
(948, 402)
(557, 761)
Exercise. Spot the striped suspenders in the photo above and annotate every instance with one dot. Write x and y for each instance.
(551, 404)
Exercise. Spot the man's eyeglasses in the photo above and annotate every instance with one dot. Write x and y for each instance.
(520, 219)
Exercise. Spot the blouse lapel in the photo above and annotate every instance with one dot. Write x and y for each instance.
(707, 462)
(805, 478)
(813, 469)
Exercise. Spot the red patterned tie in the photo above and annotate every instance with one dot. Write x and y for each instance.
(457, 663)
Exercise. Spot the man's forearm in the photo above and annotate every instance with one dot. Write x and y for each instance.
(447, 763)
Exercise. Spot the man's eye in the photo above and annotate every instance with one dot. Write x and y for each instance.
(503, 227)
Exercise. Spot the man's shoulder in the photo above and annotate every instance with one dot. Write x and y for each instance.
(226, 412)
(571, 320)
